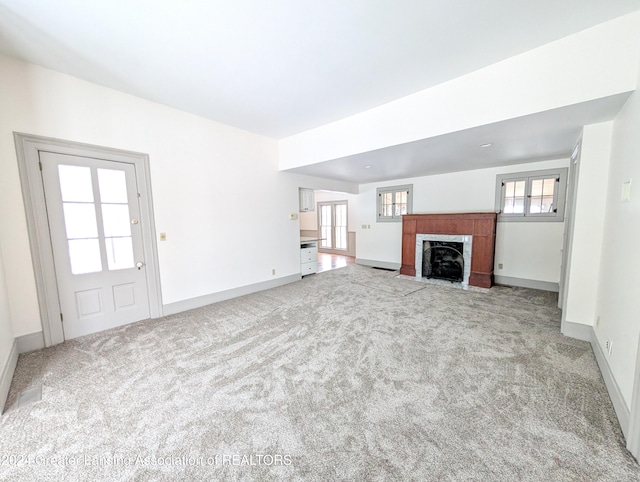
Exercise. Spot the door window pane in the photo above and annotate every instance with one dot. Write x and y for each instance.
(119, 253)
(341, 226)
(115, 220)
(75, 183)
(113, 186)
(325, 226)
(85, 256)
(80, 220)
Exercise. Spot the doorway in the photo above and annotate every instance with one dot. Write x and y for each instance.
(332, 224)
(90, 219)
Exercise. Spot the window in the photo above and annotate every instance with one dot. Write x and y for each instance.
(531, 196)
(332, 221)
(394, 201)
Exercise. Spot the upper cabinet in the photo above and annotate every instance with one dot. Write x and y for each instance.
(307, 200)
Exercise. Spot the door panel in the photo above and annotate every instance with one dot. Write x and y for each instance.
(93, 214)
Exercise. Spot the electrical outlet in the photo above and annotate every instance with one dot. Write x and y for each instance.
(609, 346)
(500, 266)
(163, 236)
(273, 271)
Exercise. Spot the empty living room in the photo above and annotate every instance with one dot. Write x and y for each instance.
(338, 240)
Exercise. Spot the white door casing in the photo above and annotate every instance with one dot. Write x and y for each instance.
(29, 149)
(96, 236)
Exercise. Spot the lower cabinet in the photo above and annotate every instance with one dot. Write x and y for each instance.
(308, 257)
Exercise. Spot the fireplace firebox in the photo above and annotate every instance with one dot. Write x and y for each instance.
(443, 260)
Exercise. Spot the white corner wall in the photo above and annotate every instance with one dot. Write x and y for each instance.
(618, 297)
(7, 358)
(595, 63)
(217, 191)
(586, 249)
(528, 251)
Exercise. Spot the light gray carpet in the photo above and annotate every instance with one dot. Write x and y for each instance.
(351, 374)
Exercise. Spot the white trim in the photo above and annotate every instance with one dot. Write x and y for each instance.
(7, 374)
(27, 149)
(526, 283)
(578, 331)
(30, 342)
(587, 333)
(633, 433)
(192, 303)
(378, 264)
(619, 405)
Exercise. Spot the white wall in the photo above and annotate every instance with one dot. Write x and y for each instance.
(586, 249)
(618, 298)
(594, 63)
(217, 191)
(530, 251)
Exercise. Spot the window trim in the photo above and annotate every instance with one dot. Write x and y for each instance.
(529, 176)
(408, 188)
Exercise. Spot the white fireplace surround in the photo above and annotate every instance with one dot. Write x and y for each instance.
(467, 241)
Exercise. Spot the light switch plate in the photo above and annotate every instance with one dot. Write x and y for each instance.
(626, 191)
(163, 236)
(293, 216)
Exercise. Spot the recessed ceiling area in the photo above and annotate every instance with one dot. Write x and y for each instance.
(281, 67)
(548, 135)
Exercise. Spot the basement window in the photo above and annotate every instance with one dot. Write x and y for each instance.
(531, 196)
(393, 202)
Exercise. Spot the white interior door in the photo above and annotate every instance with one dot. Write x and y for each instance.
(94, 223)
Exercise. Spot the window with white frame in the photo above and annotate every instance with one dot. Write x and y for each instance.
(531, 196)
(394, 201)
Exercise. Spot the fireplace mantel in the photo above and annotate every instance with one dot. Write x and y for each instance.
(482, 226)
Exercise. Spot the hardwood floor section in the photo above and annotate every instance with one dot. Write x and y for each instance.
(328, 262)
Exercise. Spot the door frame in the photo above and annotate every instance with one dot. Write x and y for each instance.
(333, 249)
(28, 148)
(569, 222)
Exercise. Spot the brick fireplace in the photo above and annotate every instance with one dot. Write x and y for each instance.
(479, 229)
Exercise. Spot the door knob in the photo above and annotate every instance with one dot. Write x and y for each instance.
(139, 264)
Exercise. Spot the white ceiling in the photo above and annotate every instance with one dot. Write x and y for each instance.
(544, 136)
(279, 67)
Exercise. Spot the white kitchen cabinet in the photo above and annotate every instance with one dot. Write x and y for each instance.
(308, 257)
(307, 200)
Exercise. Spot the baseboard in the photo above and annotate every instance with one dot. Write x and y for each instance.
(192, 303)
(577, 331)
(7, 374)
(526, 283)
(619, 405)
(30, 342)
(378, 264)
